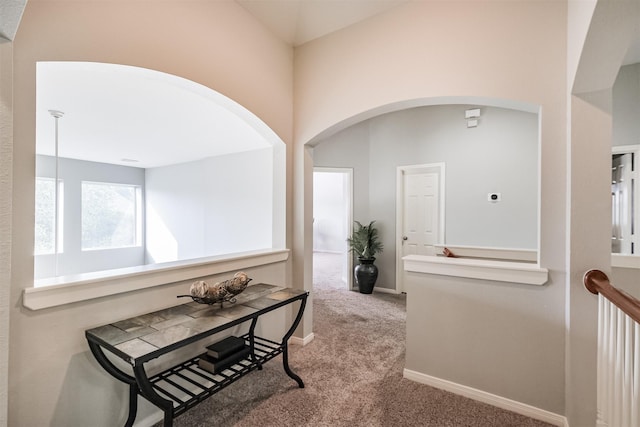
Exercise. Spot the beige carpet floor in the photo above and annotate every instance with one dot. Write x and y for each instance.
(352, 372)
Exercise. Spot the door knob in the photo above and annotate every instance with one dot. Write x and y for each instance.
(405, 238)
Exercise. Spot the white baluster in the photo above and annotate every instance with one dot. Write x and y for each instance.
(611, 363)
(604, 362)
(635, 389)
(627, 371)
(617, 368)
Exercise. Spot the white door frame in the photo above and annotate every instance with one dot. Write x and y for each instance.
(349, 219)
(438, 168)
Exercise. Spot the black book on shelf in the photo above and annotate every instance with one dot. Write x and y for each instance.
(214, 365)
(225, 347)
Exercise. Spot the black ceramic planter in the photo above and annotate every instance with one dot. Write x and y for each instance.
(366, 274)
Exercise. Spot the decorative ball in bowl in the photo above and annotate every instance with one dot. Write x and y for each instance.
(225, 291)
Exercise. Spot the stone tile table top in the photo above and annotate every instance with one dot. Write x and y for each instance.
(147, 336)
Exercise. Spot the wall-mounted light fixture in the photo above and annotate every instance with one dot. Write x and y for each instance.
(472, 114)
(472, 117)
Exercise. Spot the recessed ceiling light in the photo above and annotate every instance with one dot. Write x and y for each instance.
(129, 160)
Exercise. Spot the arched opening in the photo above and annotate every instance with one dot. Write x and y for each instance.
(151, 168)
(495, 154)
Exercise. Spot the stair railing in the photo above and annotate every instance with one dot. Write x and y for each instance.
(618, 353)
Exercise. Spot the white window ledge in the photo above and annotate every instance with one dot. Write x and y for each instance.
(502, 271)
(81, 287)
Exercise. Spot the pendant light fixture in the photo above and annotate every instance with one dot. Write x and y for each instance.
(56, 115)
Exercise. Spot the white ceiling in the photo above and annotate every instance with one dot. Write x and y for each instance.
(10, 14)
(115, 112)
(299, 21)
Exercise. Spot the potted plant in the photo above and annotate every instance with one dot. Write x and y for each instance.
(365, 244)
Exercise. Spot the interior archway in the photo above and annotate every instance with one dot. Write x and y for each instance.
(514, 128)
(423, 102)
(177, 142)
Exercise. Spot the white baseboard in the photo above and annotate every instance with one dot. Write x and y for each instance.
(491, 399)
(385, 290)
(302, 341)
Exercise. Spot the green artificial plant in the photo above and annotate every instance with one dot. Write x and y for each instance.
(365, 240)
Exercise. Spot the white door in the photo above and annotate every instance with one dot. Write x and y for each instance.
(420, 213)
(420, 222)
(622, 185)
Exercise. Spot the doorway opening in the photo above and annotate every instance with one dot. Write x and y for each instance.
(332, 224)
(624, 199)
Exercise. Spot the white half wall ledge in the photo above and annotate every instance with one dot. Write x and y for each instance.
(69, 289)
(489, 398)
(625, 261)
(501, 271)
(504, 254)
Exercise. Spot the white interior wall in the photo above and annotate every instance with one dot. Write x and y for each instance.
(500, 155)
(213, 206)
(73, 260)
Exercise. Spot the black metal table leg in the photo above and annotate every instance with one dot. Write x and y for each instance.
(285, 341)
(158, 389)
(147, 391)
(133, 404)
(287, 369)
(252, 343)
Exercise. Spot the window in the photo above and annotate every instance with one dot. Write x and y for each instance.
(111, 215)
(45, 223)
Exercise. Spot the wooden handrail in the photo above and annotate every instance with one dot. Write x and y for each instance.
(597, 282)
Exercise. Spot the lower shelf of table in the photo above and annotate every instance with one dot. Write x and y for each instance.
(186, 384)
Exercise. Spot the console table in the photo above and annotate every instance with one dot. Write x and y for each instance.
(143, 338)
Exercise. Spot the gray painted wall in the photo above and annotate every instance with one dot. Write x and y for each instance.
(626, 106)
(500, 155)
(492, 337)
